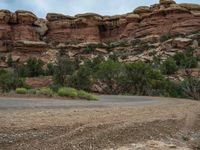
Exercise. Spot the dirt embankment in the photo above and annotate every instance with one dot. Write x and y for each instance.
(176, 124)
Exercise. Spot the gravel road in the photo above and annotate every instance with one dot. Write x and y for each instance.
(103, 101)
(109, 123)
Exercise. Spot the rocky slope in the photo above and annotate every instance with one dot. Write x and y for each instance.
(136, 35)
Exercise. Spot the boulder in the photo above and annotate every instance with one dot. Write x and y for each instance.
(5, 16)
(190, 6)
(25, 17)
(167, 2)
(55, 16)
(181, 42)
(132, 17)
(142, 10)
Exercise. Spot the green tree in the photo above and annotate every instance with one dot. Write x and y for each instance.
(34, 67)
(10, 61)
(9, 81)
(63, 68)
(109, 73)
(140, 78)
(169, 66)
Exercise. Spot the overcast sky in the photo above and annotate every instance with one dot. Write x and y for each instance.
(72, 7)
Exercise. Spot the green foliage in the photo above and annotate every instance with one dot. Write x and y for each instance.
(109, 73)
(81, 79)
(62, 52)
(185, 60)
(45, 91)
(9, 81)
(63, 68)
(169, 67)
(50, 69)
(10, 61)
(191, 88)
(140, 78)
(165, 37)
(32, 68)
(85, 95)
(21, 91)
(90, 48)
(67, 92)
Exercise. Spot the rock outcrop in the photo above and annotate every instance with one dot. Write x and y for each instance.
(22, 34)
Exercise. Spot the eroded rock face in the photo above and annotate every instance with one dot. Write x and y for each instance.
(23, 33)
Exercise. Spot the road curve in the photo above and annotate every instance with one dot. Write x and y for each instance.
(104, 101)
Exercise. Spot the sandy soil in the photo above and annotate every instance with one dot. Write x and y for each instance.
(176, 122)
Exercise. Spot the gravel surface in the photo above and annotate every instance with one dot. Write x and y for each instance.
(110, 123)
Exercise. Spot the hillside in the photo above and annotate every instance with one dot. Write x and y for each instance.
(132, 36)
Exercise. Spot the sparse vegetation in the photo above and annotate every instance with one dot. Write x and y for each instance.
(67, 92)
(21, 91)
(85, 95)
(45, 91)
(169, 67)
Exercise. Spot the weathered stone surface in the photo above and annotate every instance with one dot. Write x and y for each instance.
(26, 35)
(181, 42)
(164, 2)
(25, 17)
(41, 26)
(5, 16)
(38, 82)
(190, 6)
(142, 10)
(55, 16)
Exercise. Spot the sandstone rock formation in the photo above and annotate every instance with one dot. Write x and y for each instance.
(22, 34)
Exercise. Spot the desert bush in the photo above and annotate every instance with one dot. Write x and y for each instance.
(90, 48)
(81, 79)
(109, 73)
(169, 67)
(165, 37)
(85, 95)
(21, 91)
(34, 67)
(63, 68)
(191, 88)
(50, 69)
(10, 61)
(185, 60)
(141, 79)
(45, 91)
(9, 81)
(67, 92)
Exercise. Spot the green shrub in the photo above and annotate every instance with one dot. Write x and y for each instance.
(46, 91)
(185, 61)
(81, 79)
(90, 48)
(10, 61)
(165, 37)
(85, 95)
(63, 68)
(109, 73)
(21, 91)
(9, 81)
(50, 69)
(191, 88)
(34, 67)
(67, 92)
(141, 79)
(169, 66)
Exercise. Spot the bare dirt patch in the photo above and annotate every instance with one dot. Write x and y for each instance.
(100, 128)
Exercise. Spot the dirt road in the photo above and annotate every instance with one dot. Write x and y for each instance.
(111, 122)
